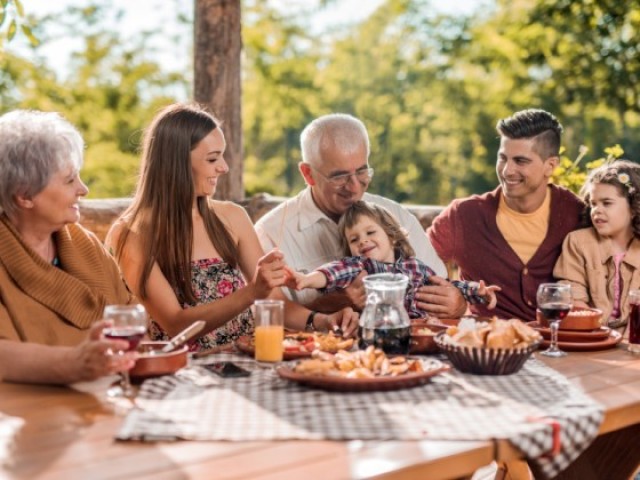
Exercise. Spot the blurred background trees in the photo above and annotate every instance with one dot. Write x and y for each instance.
(430, 87)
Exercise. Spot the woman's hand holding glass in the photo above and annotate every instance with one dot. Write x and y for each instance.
(93, 359)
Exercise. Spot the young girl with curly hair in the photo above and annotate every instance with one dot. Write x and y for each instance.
(602, 262)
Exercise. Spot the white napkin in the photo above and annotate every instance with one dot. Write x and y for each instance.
(9, 427)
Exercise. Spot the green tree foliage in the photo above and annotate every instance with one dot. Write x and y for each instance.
(387, 71)
(381, 85)
(279, 96)
(430, 87)
(12, 20)
(590, 48)
(110, 94)
(577, 59)
(569, 173)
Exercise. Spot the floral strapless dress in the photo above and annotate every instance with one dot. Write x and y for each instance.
(212, 279)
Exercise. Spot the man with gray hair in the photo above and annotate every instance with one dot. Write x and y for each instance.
(335, 166)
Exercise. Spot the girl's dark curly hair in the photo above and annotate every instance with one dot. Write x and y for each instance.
(625, 176)
(397, 235)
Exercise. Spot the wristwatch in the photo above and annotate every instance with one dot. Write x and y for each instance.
(309, 327)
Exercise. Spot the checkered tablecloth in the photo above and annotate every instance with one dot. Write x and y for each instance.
(197, 405)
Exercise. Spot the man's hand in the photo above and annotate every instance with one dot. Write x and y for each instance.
(355, 292)
(441, 299)
(346, 320)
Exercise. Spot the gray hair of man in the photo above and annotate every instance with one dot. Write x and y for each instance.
(344, 131)
(34, 146)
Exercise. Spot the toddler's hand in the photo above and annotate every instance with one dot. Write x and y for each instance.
(292, 279)
(488, 293)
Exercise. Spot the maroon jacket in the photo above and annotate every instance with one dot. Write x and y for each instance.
(466, 233)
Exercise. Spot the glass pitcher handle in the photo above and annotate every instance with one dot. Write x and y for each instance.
(372, 299)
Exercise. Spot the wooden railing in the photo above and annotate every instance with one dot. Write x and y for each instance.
(98, 214)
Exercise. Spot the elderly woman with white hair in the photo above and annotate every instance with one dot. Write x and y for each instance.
(55, 276)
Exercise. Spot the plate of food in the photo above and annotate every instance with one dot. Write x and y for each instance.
(362, 371)
(612, 339)
(573, 335)
(301, 344)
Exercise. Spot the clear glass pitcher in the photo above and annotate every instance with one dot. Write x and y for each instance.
(384, 322)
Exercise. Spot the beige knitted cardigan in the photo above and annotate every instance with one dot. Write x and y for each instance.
(52, 305)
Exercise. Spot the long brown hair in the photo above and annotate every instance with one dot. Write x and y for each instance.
(397, 235)
(160, 214)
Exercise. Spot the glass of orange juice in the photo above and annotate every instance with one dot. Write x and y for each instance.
(269, 320)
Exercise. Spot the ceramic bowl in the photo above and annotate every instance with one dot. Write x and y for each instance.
(152, 363)
(422, 340)
(440, 324)
(577, 319)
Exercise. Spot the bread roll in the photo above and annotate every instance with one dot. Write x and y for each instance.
(503, 336)
(468, 338)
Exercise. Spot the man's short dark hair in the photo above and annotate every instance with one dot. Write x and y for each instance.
(537, 124)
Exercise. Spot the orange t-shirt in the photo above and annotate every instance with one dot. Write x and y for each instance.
(524, 232)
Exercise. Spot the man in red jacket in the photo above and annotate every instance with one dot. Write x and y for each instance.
(512, 236)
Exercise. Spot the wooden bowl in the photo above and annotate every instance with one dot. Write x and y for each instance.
(440, 324)
(152, 363)
(422, 340)
(577, 319)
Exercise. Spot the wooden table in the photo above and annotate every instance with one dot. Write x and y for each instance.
(69, 435)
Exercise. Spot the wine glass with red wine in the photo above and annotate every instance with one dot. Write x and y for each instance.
(129, 323)
(554, 301)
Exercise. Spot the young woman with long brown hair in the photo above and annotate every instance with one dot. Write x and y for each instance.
(188, 257)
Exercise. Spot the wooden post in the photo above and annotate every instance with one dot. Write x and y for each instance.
(217, 46)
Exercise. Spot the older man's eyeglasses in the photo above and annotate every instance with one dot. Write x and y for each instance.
(363, 176)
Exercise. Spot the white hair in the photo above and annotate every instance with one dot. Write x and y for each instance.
(344, 131)
(33, 147)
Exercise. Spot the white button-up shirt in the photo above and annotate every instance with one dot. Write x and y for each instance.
(308, 238)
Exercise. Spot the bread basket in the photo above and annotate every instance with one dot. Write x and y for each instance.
(485, 361)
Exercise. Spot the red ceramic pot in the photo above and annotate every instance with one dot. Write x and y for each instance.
(152, 363)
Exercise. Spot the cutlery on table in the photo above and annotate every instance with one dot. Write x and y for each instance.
(183, 337)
